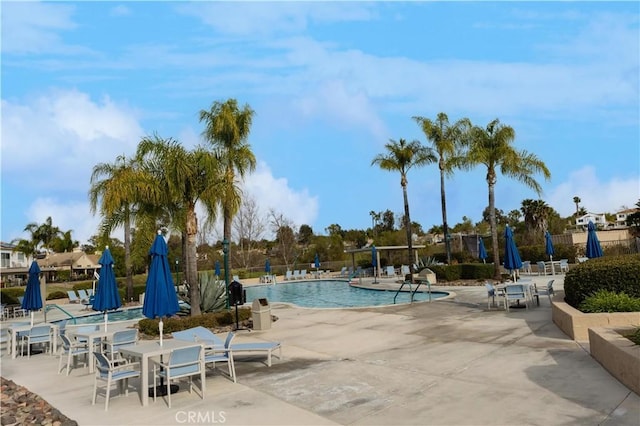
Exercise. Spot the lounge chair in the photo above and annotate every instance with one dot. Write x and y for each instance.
(303, 274)
(211, 341)
(526, 267)
(200, 335)
(296, 274)
(73, 297)
(84, 297)
(343, 272)
(251, 347)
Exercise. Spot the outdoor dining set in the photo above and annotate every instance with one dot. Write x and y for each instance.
(115, 356)
(522, 293)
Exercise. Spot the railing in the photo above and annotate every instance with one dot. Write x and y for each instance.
(48, 307)
(413, 292)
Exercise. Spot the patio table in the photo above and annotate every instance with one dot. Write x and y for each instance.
(91, 337)
(17, 327)
(146, 350)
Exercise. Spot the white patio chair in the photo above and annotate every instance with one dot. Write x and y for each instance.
(515, 292)
(119, 370)
(183, 362)
(223, 354)
(71, 350)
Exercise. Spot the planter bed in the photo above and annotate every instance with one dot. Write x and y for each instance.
(576, 324)
(617, 354)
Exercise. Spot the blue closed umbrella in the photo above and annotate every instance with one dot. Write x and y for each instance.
(160, 298)
(593, 244)
(512, 259)
(32, 297)
(548, 245)
(374, 262)
(267, 266)
(217, 267)
(482, 252)
(316, 261)
(107, 296)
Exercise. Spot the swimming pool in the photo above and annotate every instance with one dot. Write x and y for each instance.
(332, 294)
(98, 318)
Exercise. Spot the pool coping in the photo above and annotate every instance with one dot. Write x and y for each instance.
(388, 286)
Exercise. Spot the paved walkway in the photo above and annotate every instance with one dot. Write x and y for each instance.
(447, 362)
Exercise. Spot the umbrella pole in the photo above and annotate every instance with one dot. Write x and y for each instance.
(160, 327)
(32, 314)
(106, 317)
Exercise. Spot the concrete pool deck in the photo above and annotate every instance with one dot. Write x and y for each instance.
(446, 362)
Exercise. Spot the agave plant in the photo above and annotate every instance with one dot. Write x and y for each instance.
(212, 293)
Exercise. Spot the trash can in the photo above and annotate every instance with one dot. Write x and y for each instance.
(261, 314)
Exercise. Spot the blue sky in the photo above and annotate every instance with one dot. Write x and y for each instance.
(330, 83)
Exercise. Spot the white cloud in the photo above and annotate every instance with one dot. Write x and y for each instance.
(62, 134)
(272, 192)
(596, 196)
(343, 107)
(32, 27)
(65, 215)
(261, 18)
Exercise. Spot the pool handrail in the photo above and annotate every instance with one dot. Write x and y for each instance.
(53, 305)
(413, 292)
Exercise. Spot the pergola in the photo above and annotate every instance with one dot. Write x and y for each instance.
(381, 249)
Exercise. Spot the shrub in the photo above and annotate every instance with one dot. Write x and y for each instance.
(9, 296)
(57, 295)
(537, 253)
(634, 336)
(608, 301)
(463, 271)
(618, 274)
(211, 320)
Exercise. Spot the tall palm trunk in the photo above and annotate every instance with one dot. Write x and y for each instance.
(127, 254)
(443, 201)
(407, 225)
(491, 181)
(191, 269)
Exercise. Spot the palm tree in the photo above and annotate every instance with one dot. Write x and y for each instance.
(401, 157)
(43, 234)
(536, 216)
(115, 192)
(576, 201)
(183, 179)
(492, 147)
(227, 128)
(445, 139)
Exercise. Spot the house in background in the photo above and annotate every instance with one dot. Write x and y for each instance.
(14, 266)
(621, 217)
(598, 219)
(78, 263)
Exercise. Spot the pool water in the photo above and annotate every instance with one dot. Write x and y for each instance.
(332, 294)
(98, 318)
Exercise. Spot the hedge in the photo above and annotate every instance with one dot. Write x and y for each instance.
(210, 320)
(463, 271)
(618, 274)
